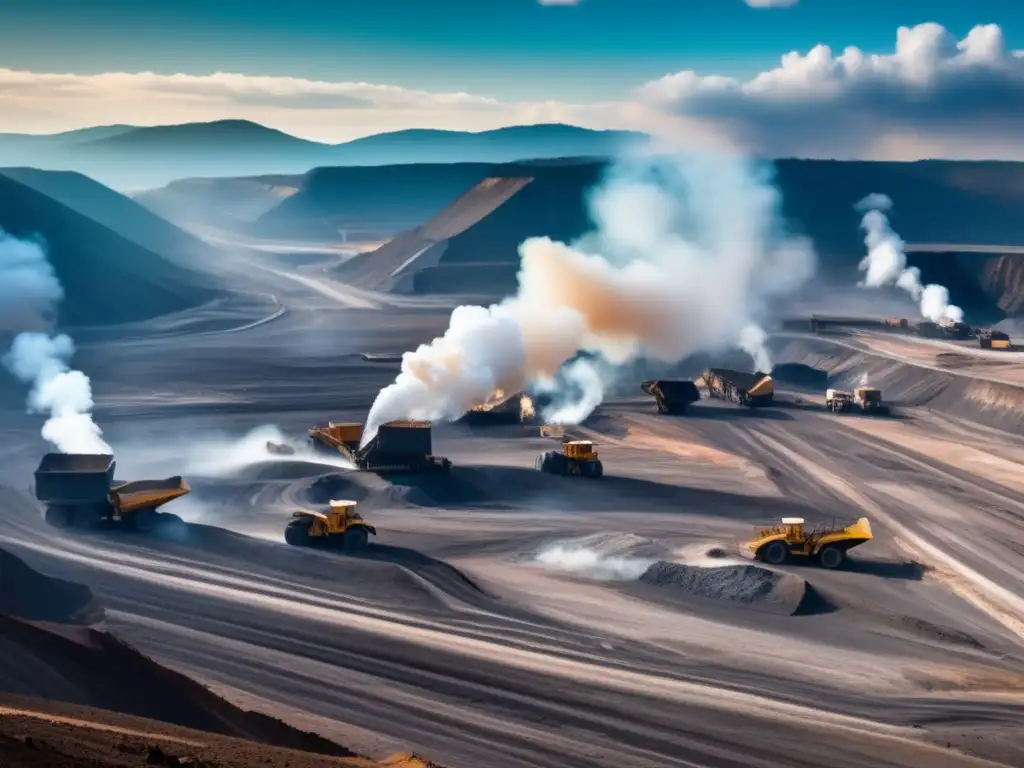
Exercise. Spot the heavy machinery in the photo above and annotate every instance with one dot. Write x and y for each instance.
(340, 526)
(398, 446)
(748, 389)
(79, 491)
(502, 409)
(989, 338)
(577, 457)
(672, 397)
(864, 399)
(838, 401)
(827, 545)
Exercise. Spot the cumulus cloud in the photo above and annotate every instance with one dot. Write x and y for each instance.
(956, 98)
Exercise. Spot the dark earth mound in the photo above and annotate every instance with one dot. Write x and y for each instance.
(95, 264)
(28, 594)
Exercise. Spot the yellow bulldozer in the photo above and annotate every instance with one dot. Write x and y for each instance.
(339, 526)
(791, 540)
(577, 457)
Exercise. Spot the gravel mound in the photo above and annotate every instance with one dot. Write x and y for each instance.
(748, 585)
(28, 594)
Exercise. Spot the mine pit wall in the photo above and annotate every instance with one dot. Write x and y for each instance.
(984, 402)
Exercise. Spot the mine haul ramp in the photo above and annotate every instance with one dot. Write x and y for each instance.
(79, 491)
(672, 397)
(398, 446)
(748, 389)
(826, 544)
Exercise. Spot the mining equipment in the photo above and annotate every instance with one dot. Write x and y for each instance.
(990, 338)
(398, 446)
(672, 397)
(339, 526)
(577, 457)
(792, 541)
(749, 389)
(864, 399)
(79, 491)
(501, 409)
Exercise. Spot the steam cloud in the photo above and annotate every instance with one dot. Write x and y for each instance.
(28, 290)
(886, 263)
(686, 255)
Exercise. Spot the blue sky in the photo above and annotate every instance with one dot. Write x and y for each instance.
(509, 49)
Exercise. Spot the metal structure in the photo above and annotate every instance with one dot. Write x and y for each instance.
(338, 526)
(827, 544)
(398, 446)
(577, 457)
(748, 389)
(79, 491)
(672, 397)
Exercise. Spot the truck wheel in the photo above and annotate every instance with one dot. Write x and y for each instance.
(144, 520)
(356, 539)
(296, 533)
(58, 517)
(831, 557)
(776, 553)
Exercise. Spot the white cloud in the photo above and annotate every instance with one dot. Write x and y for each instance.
(932, 94)
(329, 111)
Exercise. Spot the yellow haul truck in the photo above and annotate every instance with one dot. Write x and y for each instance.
(339, 526)
(398, 446)
(79, 491)
(791, 540)
(748, 389)
(992, 339)
(577, 457)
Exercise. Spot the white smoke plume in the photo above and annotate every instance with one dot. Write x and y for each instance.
(578, 390)
(886, 263)
(28, 290)
(686, 255)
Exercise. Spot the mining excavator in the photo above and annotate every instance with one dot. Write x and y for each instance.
(339, 526)
(398, 446)
(577, 457)
(792, 541)
(79, 491)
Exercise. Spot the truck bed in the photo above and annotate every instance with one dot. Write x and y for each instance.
(141, 494)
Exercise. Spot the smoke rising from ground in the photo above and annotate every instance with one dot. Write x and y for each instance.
(886, 263)
(685, 257)
(29, 289)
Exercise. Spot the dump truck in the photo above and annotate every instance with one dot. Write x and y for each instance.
(339, 526)
(79, 491)
(672, 397)
(989, 338)
(501, 409)
(825, 544)
(748, 389)
(398, 446)
(577, 457)
(837, 400)
(864, 399)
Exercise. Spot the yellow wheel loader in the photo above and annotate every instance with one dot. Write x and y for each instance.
(340, 526)
(577, 457)
(792, 541)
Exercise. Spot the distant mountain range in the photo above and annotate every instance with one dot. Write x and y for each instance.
(128, 157)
